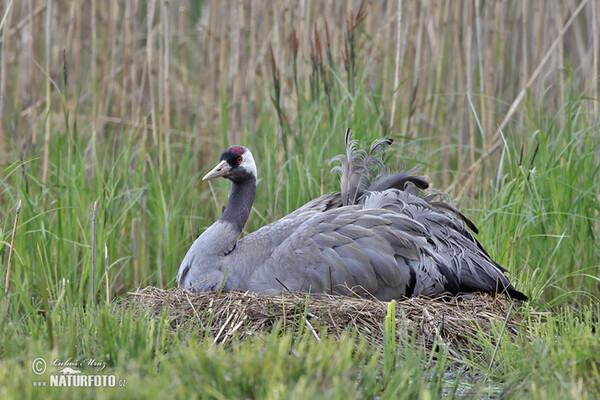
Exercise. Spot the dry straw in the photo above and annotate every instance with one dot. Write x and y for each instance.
(227, 315)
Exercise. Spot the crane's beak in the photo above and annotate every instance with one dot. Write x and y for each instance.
(222, 169)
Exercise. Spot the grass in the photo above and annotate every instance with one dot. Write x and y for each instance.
(154, 363)
(536, 202)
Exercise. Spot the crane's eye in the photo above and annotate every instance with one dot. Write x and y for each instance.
(238, 160)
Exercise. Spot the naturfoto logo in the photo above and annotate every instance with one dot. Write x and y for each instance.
(68, 373)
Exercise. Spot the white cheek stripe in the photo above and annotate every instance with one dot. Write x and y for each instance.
(248, 163)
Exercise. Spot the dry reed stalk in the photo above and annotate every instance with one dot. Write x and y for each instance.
(71, 29)
(397, 64)
(110, 67)
(181, 26)
(32, 79)
(166, 101)
(159, 62)
(234, 67)
(5, 17)
(75, 54)
(10, 253)
(559, 66)
(416, 72)
(471, 130)
(438, 49)
(129, 59)
(524, 57)
(223, 52)
(46, 161)
(94, 75)
(149, 63)
(24, 21)
(3, 50)
(524, 42)
(595, 71)
(580, 42)
(444, 133)
(66, 106)
(211, 56)
(480, 65)
(495, 140)
(406, 56)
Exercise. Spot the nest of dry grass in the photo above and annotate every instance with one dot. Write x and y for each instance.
(452, 322)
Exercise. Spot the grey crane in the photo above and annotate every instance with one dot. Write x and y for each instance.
(380, 236)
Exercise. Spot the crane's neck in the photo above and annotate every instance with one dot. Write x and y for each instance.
(221, 237)
(239, 204)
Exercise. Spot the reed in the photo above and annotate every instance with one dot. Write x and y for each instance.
(424, 71)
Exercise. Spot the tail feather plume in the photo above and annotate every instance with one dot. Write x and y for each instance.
(358, 168)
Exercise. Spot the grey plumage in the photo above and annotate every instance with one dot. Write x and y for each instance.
(379, 236)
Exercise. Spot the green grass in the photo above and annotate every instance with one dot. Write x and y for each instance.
(156, 362)
(539, 216)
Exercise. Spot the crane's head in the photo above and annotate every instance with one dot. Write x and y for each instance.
(237, 165)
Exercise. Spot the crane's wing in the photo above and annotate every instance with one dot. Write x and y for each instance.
(354, 249)
(459, 249)
(320, 204)
(393, 245)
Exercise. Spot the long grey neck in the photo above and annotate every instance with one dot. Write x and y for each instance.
(221, 237)
(239, 204)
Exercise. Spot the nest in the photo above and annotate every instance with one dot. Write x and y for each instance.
(454, 322)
